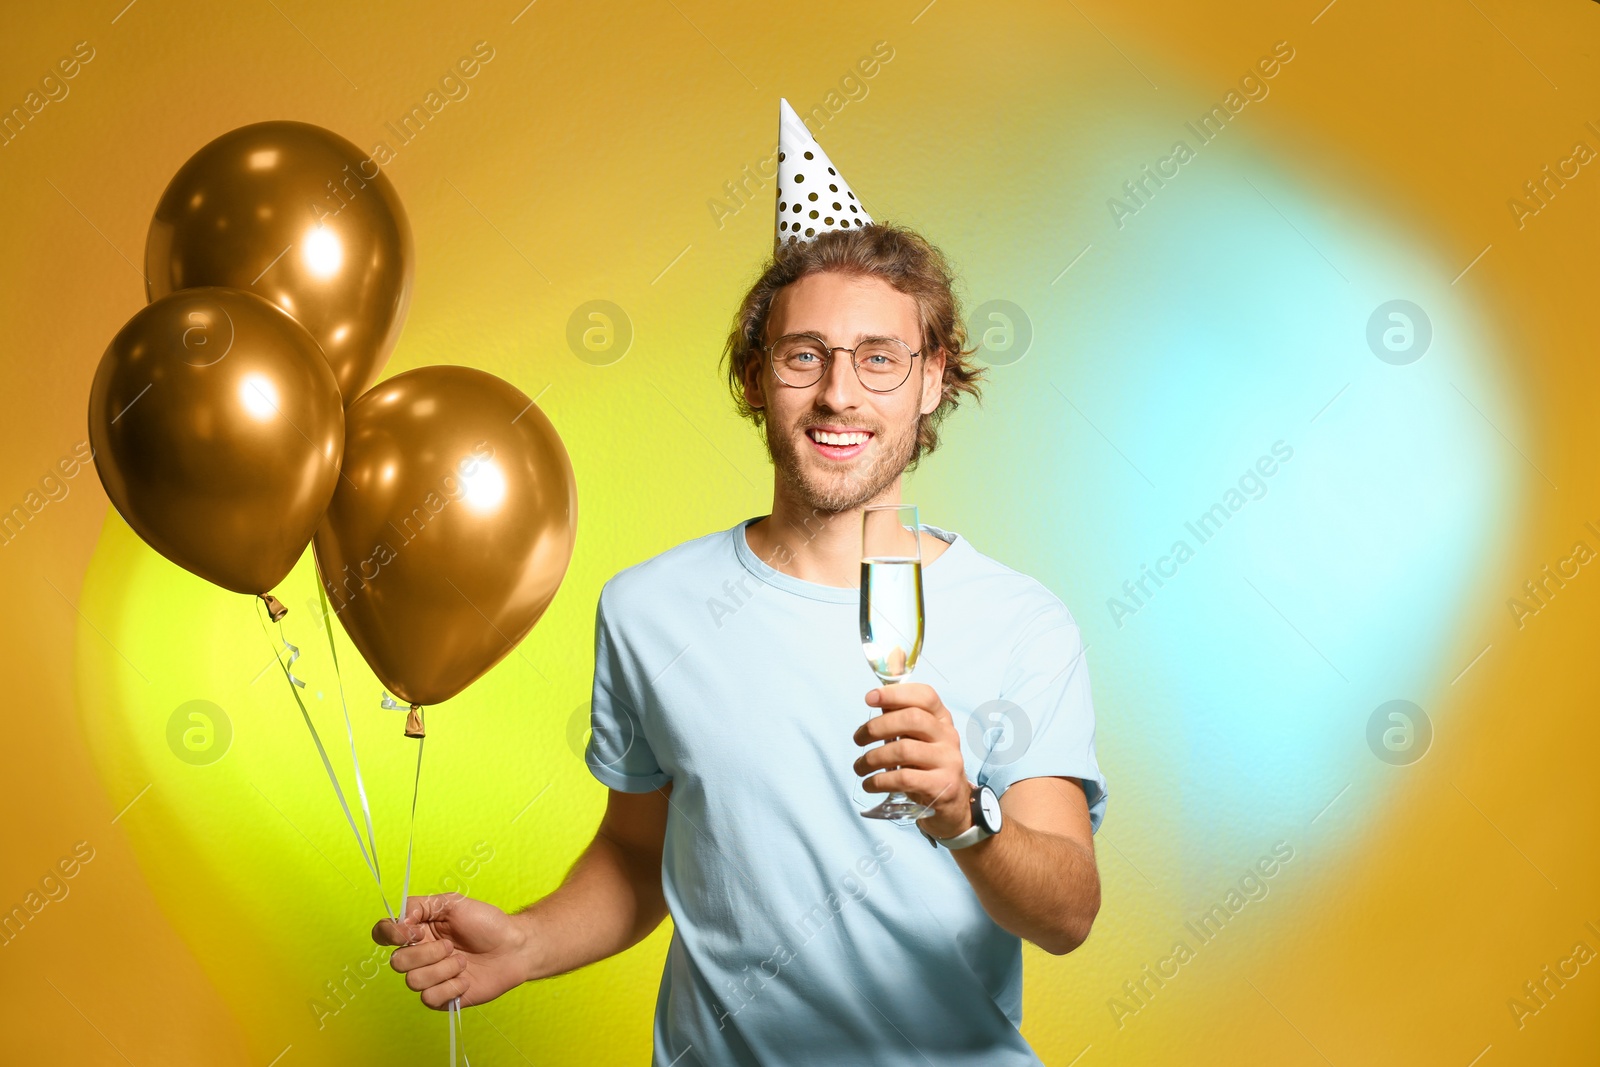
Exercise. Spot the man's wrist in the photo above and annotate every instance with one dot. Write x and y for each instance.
(981, 821)
(966, 824)
(965, 819)
(527, 948)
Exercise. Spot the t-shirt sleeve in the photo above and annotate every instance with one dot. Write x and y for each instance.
(618, 753)
(1043, 723)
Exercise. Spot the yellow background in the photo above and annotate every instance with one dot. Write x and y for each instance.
(221, 900)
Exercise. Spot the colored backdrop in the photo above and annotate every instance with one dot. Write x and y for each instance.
(1289, 310)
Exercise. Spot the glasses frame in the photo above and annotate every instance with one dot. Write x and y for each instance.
(828, 362)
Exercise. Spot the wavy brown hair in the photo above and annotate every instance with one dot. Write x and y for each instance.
(899, 256)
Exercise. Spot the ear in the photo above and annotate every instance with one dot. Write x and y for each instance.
(932, 380)
(753, 394)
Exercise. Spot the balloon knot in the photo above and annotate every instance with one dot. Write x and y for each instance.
(275, 608)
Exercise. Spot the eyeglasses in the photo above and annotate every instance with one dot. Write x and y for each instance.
(882, 364)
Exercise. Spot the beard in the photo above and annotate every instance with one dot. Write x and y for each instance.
(827, 486)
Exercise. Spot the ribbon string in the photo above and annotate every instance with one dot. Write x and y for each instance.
(294, 654)
(411, 836)
(455, 1028)
(294, 688)
(368, 846)
(405, 888)
(355, 761)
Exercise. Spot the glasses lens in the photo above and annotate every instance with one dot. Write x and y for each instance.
(799, 360)
(883, 363)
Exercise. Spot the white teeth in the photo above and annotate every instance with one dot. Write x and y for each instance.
(853, 438)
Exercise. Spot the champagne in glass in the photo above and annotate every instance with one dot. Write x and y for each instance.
(891, 613)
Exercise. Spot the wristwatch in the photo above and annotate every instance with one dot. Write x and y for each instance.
(986, 821)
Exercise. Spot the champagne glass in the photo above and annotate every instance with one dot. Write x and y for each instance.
(891, 613)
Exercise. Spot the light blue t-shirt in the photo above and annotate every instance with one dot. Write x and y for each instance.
(802, 932)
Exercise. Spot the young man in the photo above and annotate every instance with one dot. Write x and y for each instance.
(737, 726)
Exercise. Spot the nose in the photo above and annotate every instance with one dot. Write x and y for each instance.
(841, 388)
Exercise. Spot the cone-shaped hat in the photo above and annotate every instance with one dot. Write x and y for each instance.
(812, 196)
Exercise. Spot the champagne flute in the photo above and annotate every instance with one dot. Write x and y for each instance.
(891, 614)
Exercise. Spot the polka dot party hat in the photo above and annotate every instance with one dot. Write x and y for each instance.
(812, 196)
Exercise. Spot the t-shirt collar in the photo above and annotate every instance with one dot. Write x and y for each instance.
(932, 573)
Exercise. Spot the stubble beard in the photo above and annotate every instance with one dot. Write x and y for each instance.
(844, 489)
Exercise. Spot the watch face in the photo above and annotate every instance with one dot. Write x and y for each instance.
(989, 806)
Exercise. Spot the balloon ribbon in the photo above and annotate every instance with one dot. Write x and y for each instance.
(370, 857)
(295, 685)
(456, 1027)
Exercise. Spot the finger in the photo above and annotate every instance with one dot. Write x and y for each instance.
(913, 783)
(906, 752)
(423, 955)
(908, 722)
(439, 997)
(911, 694)
(406, 932)
(434, 973)
(432, 908)
(389, 932)
(903, 695)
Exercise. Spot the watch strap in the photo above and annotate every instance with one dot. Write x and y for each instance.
(970, 836)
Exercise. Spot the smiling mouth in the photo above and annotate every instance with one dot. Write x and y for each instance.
(839, 445)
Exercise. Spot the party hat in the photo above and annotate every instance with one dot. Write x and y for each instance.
(812, 196)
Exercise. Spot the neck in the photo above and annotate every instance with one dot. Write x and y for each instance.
(810, 543)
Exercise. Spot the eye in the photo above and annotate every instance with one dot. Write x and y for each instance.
(881, 354)
(803, 351)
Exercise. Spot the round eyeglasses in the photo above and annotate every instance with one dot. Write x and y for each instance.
(882, 364)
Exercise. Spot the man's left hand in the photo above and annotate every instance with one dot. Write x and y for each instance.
(926, 749)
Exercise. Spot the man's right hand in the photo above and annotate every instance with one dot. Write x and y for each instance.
(452, 946)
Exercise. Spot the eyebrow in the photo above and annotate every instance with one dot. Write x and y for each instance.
(859, 337)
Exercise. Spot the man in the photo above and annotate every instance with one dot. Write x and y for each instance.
(736, 725)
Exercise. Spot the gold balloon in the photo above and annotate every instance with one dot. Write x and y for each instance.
(302, 217)
(217, 430)
(451, 529)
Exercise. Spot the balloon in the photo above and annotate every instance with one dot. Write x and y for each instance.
(302, 217)
(217, 429)
(451, 529)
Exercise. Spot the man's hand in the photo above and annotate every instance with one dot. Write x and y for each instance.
(453, 946)
(927, 753)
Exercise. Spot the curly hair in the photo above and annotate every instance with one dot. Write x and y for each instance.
(899, 256)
